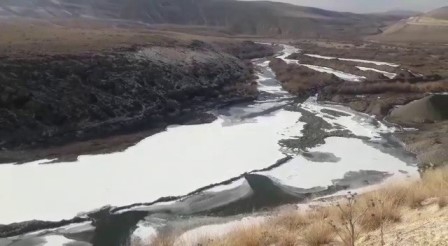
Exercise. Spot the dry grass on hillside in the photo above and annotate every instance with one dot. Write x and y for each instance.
(39, 37)
(25, 37)
(375, 218)
(351, 88)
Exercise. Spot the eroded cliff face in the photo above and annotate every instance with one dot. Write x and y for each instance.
(51, 100)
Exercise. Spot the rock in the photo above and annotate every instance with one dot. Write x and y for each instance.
(321, 157)
(426, 110)
(361, 178)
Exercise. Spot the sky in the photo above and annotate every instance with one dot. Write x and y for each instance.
(369, 6)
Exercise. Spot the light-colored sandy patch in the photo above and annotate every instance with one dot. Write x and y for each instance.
(427, 226)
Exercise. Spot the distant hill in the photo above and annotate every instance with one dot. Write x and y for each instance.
(401, 13)
(441, 13)
(430, 27)
(236, 17)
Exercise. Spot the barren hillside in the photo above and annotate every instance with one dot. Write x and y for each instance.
(232, 17)
(431, 27)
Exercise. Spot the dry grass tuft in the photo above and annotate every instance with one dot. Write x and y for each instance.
(318, 233)
(163, 241)
(255, 236)
(443, 202)
(292, 221)
(378, 211)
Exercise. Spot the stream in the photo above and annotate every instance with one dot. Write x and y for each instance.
(256, 155)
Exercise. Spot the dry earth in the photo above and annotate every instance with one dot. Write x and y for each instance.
(425, 226)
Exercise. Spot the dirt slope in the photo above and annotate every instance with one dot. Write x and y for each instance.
(418, 227)
(441, 13)
(428, 109)
(431, 27)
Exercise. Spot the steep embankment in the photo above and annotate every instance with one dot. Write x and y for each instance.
(429, 109)
(49, 100)
(228, 16)
(430, 116)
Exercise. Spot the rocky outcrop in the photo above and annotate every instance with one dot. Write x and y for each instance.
(430, 116)
(430, 109)
(52, 100)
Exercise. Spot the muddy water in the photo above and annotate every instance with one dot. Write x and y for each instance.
(184, 158)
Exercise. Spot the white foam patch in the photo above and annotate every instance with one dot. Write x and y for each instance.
(379, 63)
(321, 57)
(340, 74)
(263, 86)
(75, 227)
(144, 233)
(56, 240)
(355, 156)
(145, 207)
(288, 50)
(387, 74)
(174, 162)
(359, 124)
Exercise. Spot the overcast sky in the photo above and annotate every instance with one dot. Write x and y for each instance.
(366, 6)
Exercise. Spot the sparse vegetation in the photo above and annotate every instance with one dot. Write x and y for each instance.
(351, 88)
(345, 223)
(318, 233)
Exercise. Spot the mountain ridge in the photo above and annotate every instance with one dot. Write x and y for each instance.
(262, 18)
